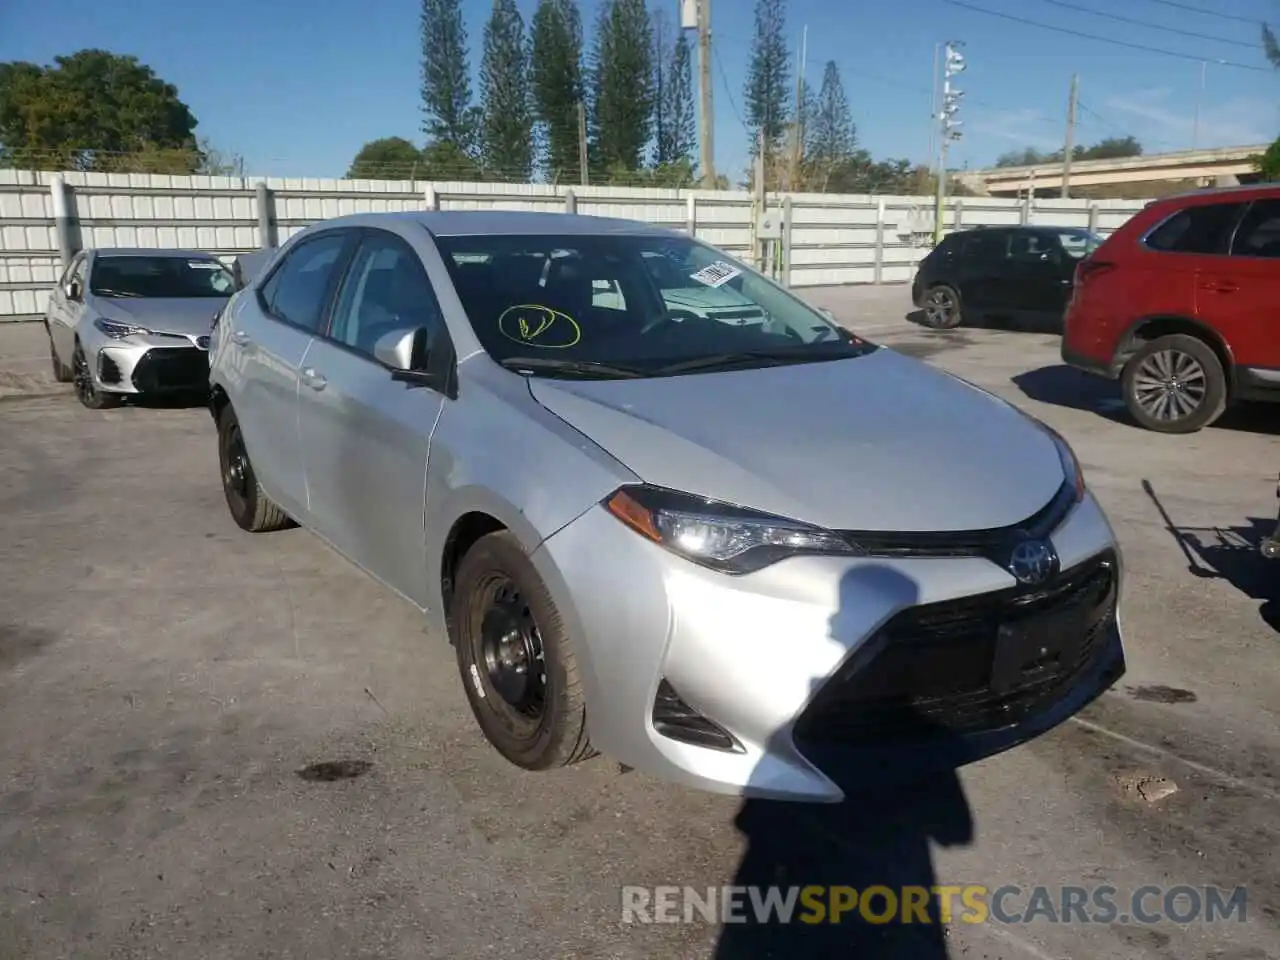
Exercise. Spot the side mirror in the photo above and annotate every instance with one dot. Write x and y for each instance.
(72, 289)
(402, 350)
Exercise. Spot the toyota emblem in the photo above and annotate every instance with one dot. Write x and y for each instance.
(1032, 561)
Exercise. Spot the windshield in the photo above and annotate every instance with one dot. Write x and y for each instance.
(1079, 243)
(177, 277)
(638, 305)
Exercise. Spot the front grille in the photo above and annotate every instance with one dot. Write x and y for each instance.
(957, 667)
(171, 368)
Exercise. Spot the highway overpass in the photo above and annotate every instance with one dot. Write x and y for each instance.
(1150, 175)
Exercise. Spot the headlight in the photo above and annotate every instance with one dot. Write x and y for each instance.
(116, 330)
(1070, 464)
(720, 536)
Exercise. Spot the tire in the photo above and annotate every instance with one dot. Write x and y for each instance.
(535, 722)
(61, 372)
(942, 307)
(87, 391)
(250, 507)
(1175, 384)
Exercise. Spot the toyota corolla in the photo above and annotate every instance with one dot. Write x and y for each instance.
(756, 559)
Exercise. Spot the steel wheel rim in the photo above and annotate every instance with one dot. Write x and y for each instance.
(83, 379)
(1170, 385)
(939, 306)
(511, 649)
(235, 466)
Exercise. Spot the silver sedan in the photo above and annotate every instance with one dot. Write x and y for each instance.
(770, 559)
(129, 321)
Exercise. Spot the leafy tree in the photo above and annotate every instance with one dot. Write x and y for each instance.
(506, 130)
(1270, 46)
(94, 110)
(768, 73)
(622, 82)
(831, 136)
(677, 130)
(557, 82)
(1268, 165)
(446, 160)
(219, 163)
(1112, 148)
(446, 84)
(388, 158)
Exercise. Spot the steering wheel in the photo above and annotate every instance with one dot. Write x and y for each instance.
(663, 319)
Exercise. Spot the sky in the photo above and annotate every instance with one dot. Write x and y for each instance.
(297, 86)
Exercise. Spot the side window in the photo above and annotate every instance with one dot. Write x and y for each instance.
(986, 246)
(1027, 246)
(385, 290)
(1199, 229)
(296, 292)
(1259, 232)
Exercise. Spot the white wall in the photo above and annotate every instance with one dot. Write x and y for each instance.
(835, 239)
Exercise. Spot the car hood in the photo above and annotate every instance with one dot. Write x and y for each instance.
(163, 315)
(878, 442)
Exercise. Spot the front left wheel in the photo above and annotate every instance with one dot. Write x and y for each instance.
(515, 657)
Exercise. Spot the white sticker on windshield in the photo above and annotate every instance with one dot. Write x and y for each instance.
(204, 264)
(717, 274)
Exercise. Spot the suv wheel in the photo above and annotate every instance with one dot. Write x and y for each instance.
(1175, 384)
(942, 307)
(515, 657)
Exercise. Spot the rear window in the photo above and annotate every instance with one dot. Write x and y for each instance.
(986, 245)
(1259, 232)
(1199, 229)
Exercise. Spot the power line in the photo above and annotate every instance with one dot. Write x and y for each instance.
(1094, 36)
(1154, 26)
(1208, 13)
(728, 91)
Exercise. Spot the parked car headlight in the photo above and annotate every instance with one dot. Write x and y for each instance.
(117, 330)
(720, 536)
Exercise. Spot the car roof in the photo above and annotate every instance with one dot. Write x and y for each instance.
(149, 252)
(1236, 191)
(1019, 228)
(461, 223)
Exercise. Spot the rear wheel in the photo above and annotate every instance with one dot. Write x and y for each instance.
(250, 507)
(87, 391)
(515, 657)
(942, 307)
(1175, 384)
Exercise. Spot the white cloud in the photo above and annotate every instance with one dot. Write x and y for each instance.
(1162, 123)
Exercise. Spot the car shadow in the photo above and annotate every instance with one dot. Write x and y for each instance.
(1231, 554)
(880, 836)
(1065, 386)
(1012, 323)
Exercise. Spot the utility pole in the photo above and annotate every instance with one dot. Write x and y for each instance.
(707, 117)
(1069, 148)
(1195, 125)
(949, 128)
(934, 106)
(582, 143)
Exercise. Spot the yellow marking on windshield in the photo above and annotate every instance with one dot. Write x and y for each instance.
(533, 321)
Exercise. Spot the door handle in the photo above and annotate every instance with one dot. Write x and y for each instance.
(313, 380)
(240, 338)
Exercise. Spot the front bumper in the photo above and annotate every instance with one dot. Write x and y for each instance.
(151, 364)
(769, 658)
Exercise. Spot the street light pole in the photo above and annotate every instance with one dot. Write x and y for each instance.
(949, 128)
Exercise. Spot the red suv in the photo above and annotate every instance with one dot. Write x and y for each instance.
(1182, 304)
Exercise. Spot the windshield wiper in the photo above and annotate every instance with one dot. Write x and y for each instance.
(105, 292)
(716, 361)
(583, 368)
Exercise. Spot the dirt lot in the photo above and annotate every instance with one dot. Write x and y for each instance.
(164, 678)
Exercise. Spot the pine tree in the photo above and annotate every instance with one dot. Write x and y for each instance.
(506, 130)
(678, 133)
(768, 73)
(831, 136)
(661, 77)
(622, 84)
(556, 78)
(446, 83)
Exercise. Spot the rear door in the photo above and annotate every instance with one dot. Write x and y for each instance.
(268, 337)
(1037, 279)
(980, 270)
(1241, 292)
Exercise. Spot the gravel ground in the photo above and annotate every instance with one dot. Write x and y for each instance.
(165, 677)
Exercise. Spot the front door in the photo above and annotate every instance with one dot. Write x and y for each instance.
(63, 312)
(1239, 295)
(269, 336)
(365, 437)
